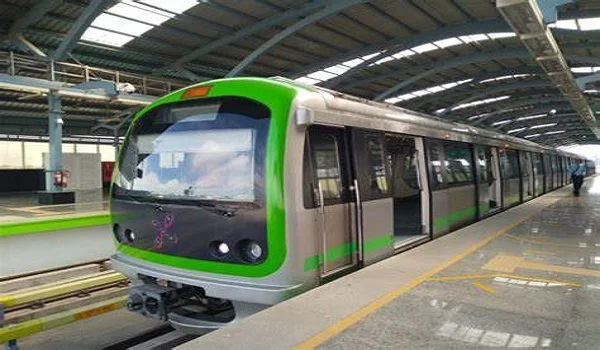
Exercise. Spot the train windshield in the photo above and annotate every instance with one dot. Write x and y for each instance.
(200, 150)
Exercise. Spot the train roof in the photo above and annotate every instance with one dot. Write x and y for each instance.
(345, 102)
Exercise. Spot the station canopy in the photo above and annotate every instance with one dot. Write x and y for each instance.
(531, 70)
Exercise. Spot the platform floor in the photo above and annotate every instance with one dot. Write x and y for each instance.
(22, 207)
(525, 278)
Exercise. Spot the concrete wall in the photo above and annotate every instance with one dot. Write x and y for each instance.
(26, 253)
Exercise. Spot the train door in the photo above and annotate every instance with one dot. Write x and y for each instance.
(511, 177)
(336, 211)
(559, 166)
(409, 190)
(453, 199)
(555, 172)
(538, 174)
(484, 179)
(374, 202)
(547, 173)
(438, 183)
(527, 177)
(496, 181)
(565, 172)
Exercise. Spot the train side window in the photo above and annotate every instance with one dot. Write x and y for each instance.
(308, 183)
(525, 161)
(547, 167)
(537, 164)
(403, 164)
(438, 171)
(509, 164)
(325, 150)
(458, 161)
(372, 170)
(328, 168)
(378, 177)
(482, 164)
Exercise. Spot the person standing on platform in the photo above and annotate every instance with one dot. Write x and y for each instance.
(577, 174)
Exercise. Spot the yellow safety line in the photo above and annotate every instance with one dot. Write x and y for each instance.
(38, 294)
(539, 252)
(461, 277)
(507, 263)
(484, 287)
(356, 316)
(20, 330)
(540, 241)
(513, 276)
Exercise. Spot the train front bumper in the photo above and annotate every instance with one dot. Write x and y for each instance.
(234, 289)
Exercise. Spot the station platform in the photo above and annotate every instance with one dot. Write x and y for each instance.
(528, 277)
(24, 207)
(29, 233)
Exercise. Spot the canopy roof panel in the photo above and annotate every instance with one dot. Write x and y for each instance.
(458, 59)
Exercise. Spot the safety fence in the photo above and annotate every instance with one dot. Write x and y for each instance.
(73, 73)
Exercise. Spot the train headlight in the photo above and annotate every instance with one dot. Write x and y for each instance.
(129, 235)
(254, 251)
(223, 248)
(251, 251)
(219, 248)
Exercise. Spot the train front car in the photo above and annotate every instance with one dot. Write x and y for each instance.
(198, 205)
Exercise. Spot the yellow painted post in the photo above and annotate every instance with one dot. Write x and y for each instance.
(11, 344)
(16, 331)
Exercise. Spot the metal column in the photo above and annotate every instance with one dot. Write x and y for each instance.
(55, 123)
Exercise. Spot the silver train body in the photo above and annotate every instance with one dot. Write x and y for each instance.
(362, 182)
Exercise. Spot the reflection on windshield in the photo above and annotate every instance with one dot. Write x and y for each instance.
(203, 164)
(210, 156)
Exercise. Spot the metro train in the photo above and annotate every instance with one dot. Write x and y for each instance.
(233, 195)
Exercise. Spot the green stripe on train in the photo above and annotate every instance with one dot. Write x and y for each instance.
(346, 249)
(445, 222)
(17, 228)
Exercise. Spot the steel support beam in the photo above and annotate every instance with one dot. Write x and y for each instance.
(55, 123)
(424, 38)
(32, 16)
(530, 101)
(503, 88)
(333, 7)
(465, 88)
(509, 113)
(93, 9)
(435, 67)
(41, 86)
(365, 50)
(576, 34)
(549, 9)
(592, 78)
(526, 18)
(28, 45)
(549, 119)
(250, 30)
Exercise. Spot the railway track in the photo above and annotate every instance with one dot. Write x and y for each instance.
(160, 338)
(33, 303)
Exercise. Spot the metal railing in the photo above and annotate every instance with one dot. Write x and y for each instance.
(72, 73)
